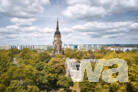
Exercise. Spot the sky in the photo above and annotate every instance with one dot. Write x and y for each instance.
(33, 22)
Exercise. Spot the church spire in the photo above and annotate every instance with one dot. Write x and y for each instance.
(57, 43)
(57, 25)
(57, 29)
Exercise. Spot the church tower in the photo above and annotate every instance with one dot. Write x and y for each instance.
(57, 43)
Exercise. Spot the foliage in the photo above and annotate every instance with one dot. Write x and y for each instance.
(28, 57)
(44, 57)
(32, 89)
(14, 86)
(74, 54)
(13, 52)
(40, 66)
(33, 72)
(58, 65)
(64, 82)
(5, 61)
(36, 72)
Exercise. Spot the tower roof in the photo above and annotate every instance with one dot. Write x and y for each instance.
(57, 29)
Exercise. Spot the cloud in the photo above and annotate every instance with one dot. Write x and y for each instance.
(134, 26)
(107, 29)
(44, 2)
(66, 31)
(24, 29)
(80, 11)
(22, 8)
(96, 26)
(94, 9)
(134, 38)
(31, 33)
(23, 22)
(78, 1)
(85, 33)
(114, 35)
(22, 13)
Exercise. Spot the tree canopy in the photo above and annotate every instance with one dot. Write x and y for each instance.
(39, 72)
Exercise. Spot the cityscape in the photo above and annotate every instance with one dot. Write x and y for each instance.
(92, 47)
(68, 46)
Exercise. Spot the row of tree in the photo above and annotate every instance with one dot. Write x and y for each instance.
(39, 72)
(33, 72)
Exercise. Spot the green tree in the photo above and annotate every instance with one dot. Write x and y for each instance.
(58, 64)
(25, 73)
(32, 89)
(64, 82)
(24, 52)
(44, 57)
(40, 66)
(28, 57)
(114, 87)
(14, 86)
(13, 52)
(5, 79)
(2, 87)
(5, 61)
(51, 75)
(42, 81)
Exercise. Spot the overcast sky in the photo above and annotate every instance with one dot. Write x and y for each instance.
(33, 22)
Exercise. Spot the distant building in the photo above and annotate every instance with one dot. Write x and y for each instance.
(5, 47)
(87, 47)
(124, 49)
(91, 47)
(57, 43)
(70, 46)
(20, 47)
